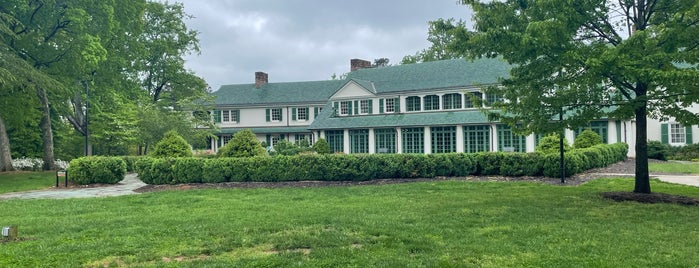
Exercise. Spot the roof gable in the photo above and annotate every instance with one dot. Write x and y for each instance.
(354, 89)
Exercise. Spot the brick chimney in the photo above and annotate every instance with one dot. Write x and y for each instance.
(261, 78)
(356, 64)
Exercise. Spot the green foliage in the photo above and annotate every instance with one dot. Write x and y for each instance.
(243, 144)
(442, 35)
(188, 170)
(579, 160)
(321, 146)
(659, 150)
(285, 147)
(97, 169)
(687, 153)
(172, 145)
(587, 138)
(552, 144)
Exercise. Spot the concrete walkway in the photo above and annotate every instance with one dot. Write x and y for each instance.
(691, 180)
(131, 183)
(124, 187)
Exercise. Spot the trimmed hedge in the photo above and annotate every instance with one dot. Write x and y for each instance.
(361, 167)
(97, 169)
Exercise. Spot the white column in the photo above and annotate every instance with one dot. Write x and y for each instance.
(428, 140)
(459, 138)
(531, 142)
(399, 141)
(494, 137)
(372, 142)
(346, 141)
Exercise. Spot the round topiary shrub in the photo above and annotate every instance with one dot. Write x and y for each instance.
(172, 145)
(587, 138)
(552, 144)
(321, 146)
(243, 144)
(97, 169)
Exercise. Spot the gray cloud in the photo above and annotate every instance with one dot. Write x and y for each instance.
(300, 40)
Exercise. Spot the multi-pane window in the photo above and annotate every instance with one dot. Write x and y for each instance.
(364, 107)
(359, 141)
(431, 102)
(413, 140)
(599, 127)
(443, 139)
(302, 114)
(468, 103)
(677, 133)
(390, 105)
(227, 116)
(274, 114)
(274, 140)
(385, 141)
(302, 139)
(225, 140)
(476, 139)
(493, 98)
(412, 104)
(510, 142)
(335, 139)
(345, 107)
(452, 101)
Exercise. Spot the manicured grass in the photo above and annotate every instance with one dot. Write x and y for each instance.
(432, 224)
(675, 167)
(25, 181)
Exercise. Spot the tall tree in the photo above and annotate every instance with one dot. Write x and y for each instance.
(592, 59)
(442, 37)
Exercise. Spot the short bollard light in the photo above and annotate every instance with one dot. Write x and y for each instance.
(64, 174)
(9, 232)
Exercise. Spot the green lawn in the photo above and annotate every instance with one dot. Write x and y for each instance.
(25, 181)
(675, 167)
(428, 224)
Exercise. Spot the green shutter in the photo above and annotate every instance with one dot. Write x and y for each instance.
(663, 134)
(371, 106)
(281, 136)
(396, 103)
(315, 112)
(237, 116)
(688, 134)
(281, 115)
(335, 107)
(349, 110)
(267, 115)
(217, 116)
(220, 141)
(380, 106)
(293, 114)
(356, 107)
(269, 140)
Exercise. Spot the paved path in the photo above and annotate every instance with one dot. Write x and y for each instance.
(691, 180)
(131, 183)
(124, 187)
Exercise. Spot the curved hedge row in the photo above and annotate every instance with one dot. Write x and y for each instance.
(371, 166)
(97, 169)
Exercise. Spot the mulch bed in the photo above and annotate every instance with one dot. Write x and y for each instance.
(651, 198)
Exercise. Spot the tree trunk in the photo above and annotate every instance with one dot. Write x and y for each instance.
(5, 156)
(642, 180)
(46, 131)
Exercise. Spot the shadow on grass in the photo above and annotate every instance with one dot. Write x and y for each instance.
(652, 198)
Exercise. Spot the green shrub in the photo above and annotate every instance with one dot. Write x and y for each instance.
(658, 150)
(172, 145)
(243, 144)
(285, 147)
(552, 144)
(214, 171)
(161, 172)
(142, 167)
(686, 153)
(130, 162)
(188, 170)
(521, 164)
(97, 169)
(321, 146)
(489, 163)
(587, 138)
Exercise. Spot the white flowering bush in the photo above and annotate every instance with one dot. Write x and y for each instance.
(35, 164)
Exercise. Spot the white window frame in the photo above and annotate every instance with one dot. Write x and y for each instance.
(274, 140)
(677, 133)
(228, 116)
(344, 107)
(364, 107)
(389, 106)
(302, 114)
(225, 140)
(275, 114)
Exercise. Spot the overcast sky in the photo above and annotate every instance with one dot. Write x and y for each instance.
(305, 40)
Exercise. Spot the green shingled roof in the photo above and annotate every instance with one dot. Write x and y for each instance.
(277, 93)
(384, 80)
(326, 120)
(433, 75)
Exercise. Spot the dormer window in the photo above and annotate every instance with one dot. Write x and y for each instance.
(364, 107)
(390, 105)
(345, 107)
